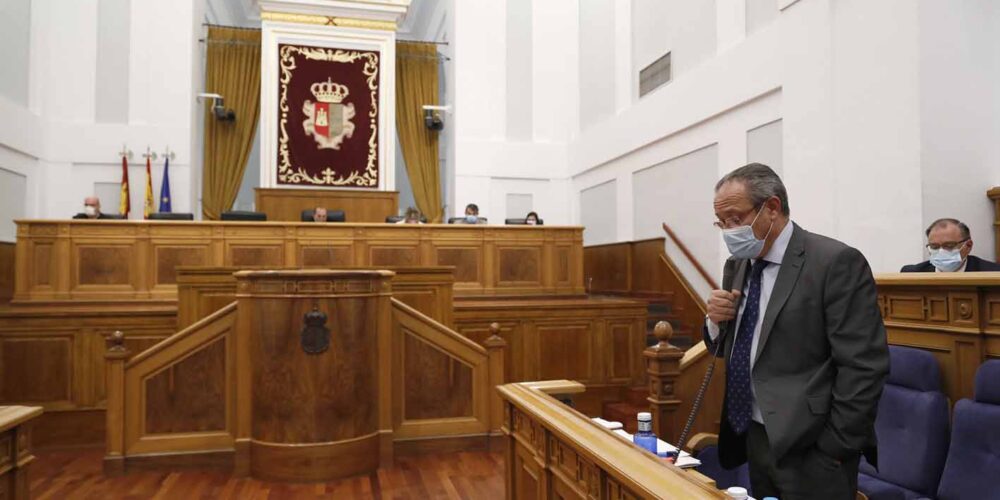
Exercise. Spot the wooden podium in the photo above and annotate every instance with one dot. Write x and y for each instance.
(358, 205)
(316, 344)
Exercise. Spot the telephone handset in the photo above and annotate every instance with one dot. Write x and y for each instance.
(729, 276)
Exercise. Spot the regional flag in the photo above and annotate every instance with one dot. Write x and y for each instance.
(148, 205)
(165, 188)
(126, 201)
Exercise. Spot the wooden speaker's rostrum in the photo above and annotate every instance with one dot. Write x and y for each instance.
(312, 399)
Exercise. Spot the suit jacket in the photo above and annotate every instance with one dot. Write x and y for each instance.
(822, 356)
(101, 215)
(973, 264)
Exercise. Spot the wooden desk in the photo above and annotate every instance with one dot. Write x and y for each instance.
(955, 316)
(137, 260)
(15, 450)
(554, 451)
(287, 204)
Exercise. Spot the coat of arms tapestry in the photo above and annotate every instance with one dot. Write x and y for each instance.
(327, 117)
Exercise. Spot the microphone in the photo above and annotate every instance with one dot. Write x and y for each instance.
(728, 276)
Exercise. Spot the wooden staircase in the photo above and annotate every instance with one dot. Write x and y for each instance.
(625, 411)
(642, 271)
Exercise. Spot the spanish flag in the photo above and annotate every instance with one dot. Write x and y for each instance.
(148, 205)
(126, 202)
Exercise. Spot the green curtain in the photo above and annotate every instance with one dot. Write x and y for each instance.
(417, 85)
(232, 70)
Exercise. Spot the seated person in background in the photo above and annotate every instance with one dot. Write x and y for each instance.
(531, 219)
(949, 243)
(412, 216)
(319, 214)
(472, 215)
(91, 209)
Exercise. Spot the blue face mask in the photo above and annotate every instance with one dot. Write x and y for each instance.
(947, 261)
(472, 219)
(741, 241)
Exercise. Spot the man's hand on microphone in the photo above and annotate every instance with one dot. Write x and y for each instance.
(722, 305)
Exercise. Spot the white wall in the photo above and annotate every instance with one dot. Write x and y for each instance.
(959, 110)
(684, 28)
(57, 141)
(847, 98)
(15, 21)
(494, 153)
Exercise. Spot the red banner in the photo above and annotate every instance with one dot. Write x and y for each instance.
(327, 117)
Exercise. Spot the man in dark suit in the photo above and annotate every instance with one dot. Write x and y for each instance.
(805, 348)
(92, 209)
(949, 243)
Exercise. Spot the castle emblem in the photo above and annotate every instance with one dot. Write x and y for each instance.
(328, 120)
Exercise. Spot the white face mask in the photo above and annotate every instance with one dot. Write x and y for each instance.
(947, 261)
(472, 219)
(741, 241)
(90, 210)
(531, 222)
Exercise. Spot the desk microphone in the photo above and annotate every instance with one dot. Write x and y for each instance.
(728, 277)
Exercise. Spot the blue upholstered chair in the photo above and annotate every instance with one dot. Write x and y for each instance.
(973, 466)
(704, 447)
(912, 430)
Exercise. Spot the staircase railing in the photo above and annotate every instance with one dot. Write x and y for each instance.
(179, 396)
(687, 253)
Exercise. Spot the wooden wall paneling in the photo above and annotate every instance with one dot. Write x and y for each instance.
(326, 255)
(607, 268)
(518, 267)
(564, 350)
(136, 260)
(440, 379)
(467, 261)
(185, 403)
(7, 257)
(559, 338)
(359, 205)
(190, 395)
(951, 315)
(56, 358)
(37, 368)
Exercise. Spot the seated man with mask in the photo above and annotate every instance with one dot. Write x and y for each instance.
(949, 243)
(472, 215)
(92, 209)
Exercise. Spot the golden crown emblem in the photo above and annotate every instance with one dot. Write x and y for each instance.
(329, 91)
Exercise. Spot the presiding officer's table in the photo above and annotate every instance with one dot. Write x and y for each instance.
(137, 260)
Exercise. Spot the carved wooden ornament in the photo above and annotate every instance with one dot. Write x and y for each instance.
(315, 334)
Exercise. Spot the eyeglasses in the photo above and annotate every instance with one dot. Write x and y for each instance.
(948, 245)
(734, 221)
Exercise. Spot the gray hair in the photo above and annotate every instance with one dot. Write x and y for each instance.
(761, 183)
(943, 223)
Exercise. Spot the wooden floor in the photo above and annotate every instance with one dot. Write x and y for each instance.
(63, 475)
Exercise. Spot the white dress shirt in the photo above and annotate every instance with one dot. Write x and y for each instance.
(768, 276)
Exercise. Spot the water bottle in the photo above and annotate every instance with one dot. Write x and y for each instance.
(737, 492)
(644, 437)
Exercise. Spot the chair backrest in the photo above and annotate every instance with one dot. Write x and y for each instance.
(392, 219)
(331, 215)
(521, 222)
(912, 405)
(171, 216)
(243, 215)
(724, 478)
(974, 456)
